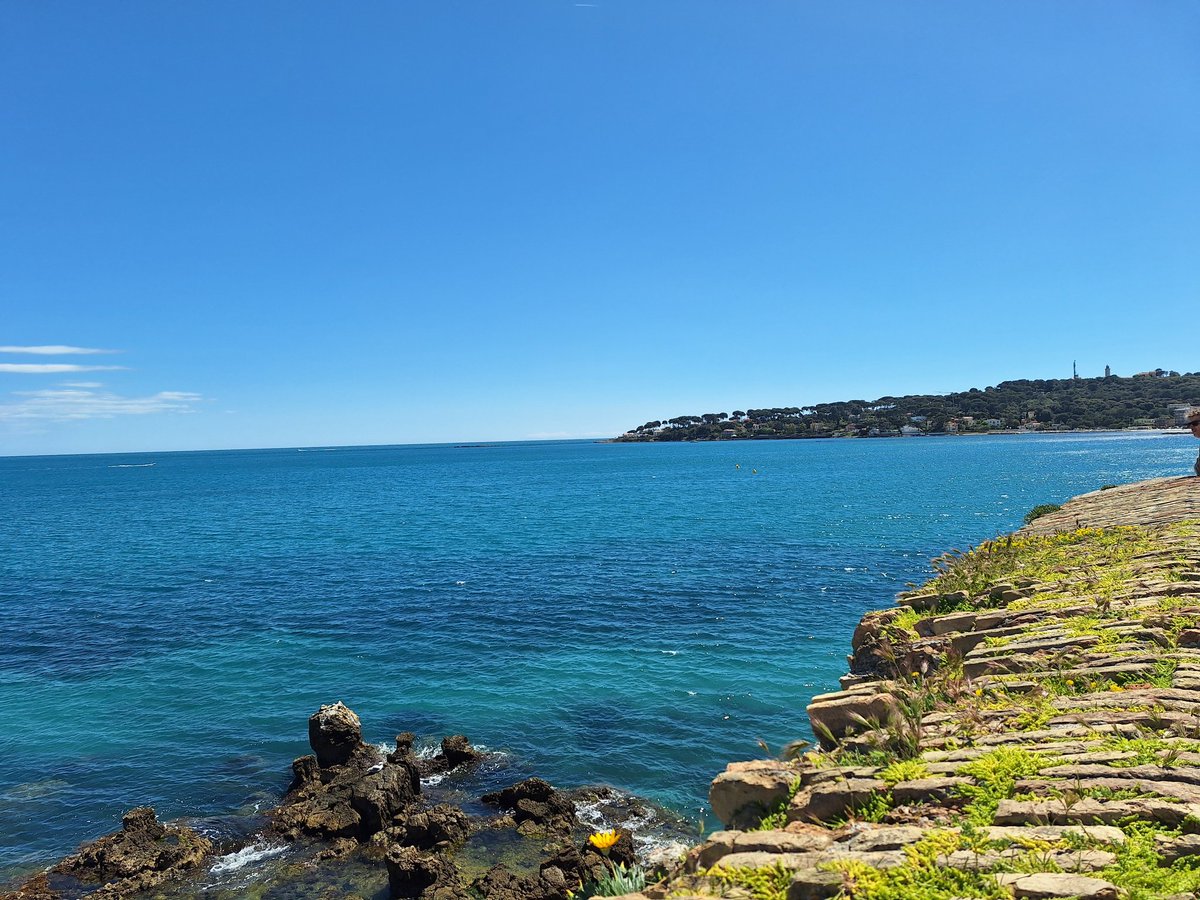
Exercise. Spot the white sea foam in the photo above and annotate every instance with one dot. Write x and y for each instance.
(431, 780)
(134, 466)
(669, 652)
(232, 862)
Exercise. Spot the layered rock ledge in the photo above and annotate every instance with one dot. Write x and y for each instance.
(1026, 724)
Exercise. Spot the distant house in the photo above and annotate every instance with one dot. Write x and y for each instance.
(728, 432)
(994, 423)
(910, 430)
(1180, 413)
(918, 419)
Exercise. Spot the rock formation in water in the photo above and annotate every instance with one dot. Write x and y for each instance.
(143, 854)
(347, 790)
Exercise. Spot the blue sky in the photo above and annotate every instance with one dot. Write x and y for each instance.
(301, 223)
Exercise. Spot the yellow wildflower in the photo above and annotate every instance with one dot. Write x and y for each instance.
(1115, 687)
(603, 840)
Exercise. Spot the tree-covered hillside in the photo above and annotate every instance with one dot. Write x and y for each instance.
(1147, 400)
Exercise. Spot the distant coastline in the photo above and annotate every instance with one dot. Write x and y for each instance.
(622, 439)
(1150, 401)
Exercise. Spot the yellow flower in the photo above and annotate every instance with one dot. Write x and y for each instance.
(603, 840)
(1115, 687)
(978, 692)
(916, 675)
(1070, 683)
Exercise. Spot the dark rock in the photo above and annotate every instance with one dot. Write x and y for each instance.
(501, 884)
(535, 805)
(354, 798)
(144, 853)
(456, 751)
(413, 874)
(334, 733)
(440, 826)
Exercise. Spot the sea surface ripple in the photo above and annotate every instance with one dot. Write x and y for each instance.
(629, 614)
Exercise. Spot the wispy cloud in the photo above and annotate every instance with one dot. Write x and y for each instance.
(83, 384)
(52, 368)
(63, 405)
(55, 350)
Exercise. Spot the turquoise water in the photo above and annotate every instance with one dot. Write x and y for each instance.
(631, 614)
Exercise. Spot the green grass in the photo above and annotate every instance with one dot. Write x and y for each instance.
(904, 770)
(767, 883)
(921, 877)
(1139, 868)
(996, 774)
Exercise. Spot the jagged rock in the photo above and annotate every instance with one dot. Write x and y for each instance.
(746, 791)
(501, 884)
(334, 733)
(413, 874)
(355, 798)
(1047, 885)
(437, 827)
(144, 853)
(456, 751)
(535, 805)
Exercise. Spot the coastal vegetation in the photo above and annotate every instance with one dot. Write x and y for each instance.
(1026, 723)
(1148, 400)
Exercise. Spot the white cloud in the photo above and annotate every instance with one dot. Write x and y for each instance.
(83, 384)
(64, 405)
(51, 368)
(54, 350)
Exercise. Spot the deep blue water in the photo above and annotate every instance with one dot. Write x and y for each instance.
(631, 614)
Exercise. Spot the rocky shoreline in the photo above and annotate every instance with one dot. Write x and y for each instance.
(1026, 724)
(354, 823)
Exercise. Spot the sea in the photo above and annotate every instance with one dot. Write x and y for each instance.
(632, 615)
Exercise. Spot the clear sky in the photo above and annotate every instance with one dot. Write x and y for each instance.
(306, 223)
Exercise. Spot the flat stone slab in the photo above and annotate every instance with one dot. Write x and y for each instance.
(1047, 885)
(1101, 834)
(1154, 502)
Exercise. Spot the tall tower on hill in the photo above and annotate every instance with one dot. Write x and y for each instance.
(1074, 371)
